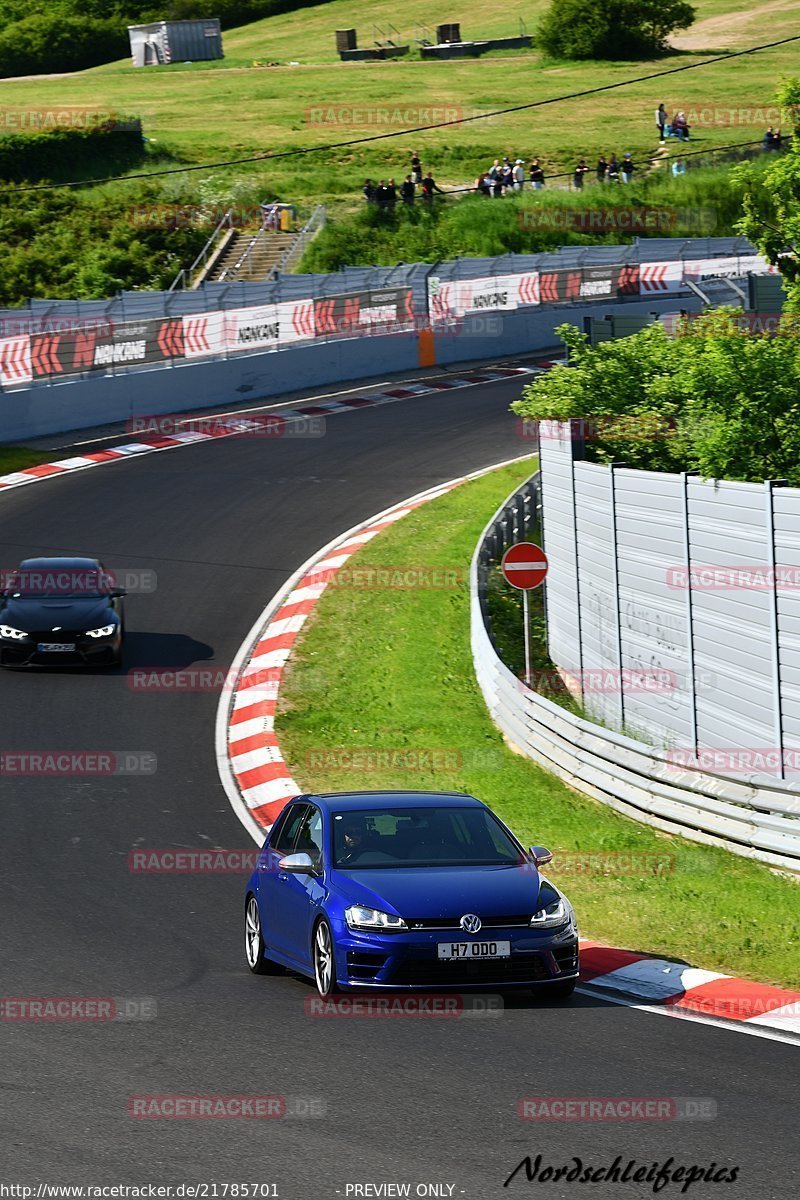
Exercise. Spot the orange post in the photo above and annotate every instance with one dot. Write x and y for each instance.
(427, 348)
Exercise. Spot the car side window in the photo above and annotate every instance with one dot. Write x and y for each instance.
(289, 829)
(309, 840)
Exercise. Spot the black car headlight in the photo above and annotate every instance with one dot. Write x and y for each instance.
(11, 634)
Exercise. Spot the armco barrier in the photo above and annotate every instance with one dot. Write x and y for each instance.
(258, 336)
(98, 399)
(754, 820)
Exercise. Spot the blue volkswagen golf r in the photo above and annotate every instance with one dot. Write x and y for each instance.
(406, 890)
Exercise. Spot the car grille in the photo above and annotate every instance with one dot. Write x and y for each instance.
(519, 968)
(362, 966)
(517, 921)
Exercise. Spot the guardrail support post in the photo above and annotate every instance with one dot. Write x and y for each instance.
(689, 613)
(615, 581)
(775, 651)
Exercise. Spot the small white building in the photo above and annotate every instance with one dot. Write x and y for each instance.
(175, 41)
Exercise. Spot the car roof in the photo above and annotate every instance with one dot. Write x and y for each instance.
(59, 564)
(352, 801)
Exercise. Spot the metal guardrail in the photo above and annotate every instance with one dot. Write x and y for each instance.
(185, 275)
(756, 818)
(294, 252)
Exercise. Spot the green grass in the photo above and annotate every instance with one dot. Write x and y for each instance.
(205, 111)
(17, 458)
(380, 669)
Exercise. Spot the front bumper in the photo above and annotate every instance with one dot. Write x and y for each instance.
(100, 651)
(410, 960)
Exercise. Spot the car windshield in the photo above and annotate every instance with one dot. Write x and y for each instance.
(59, 584)
(421, 837)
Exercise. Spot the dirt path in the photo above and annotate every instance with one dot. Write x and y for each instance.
(733, 29)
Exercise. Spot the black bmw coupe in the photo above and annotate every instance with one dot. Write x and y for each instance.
(61, 610)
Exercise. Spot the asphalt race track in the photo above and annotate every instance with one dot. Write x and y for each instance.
(223, 524)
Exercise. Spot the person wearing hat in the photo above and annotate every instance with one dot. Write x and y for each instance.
(519, 174)
(627, 168)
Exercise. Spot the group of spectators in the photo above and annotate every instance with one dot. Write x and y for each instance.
(514, 175)
(677, 126)
(385, 193)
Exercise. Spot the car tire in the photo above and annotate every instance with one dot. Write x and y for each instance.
(324, 960)
(254, 942)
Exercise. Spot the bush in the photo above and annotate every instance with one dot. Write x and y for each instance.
(49, 42)
(72, 153)
(611, 29)
(713, 400)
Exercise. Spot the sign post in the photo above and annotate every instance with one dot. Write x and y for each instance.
(524, 566)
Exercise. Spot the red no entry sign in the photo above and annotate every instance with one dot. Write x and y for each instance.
(524, 566)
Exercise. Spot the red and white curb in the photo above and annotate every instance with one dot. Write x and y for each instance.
(251, 765)
(677, 990)
(258, 783)
(236, 425)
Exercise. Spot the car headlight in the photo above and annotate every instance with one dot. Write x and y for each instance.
(358, 917)
(556, 913)
(14, 635)
(103, 631)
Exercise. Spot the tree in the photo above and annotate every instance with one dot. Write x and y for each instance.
(611, 28)
(714, 399)
(771, 217)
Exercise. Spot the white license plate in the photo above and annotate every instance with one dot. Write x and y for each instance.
(470, 950)
(55, 647)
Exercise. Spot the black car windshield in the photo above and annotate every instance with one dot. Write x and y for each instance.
(59, 584)
(421, 837)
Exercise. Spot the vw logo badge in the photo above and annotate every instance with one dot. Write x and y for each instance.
(470, 923)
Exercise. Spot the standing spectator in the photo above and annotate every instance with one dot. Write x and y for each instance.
(391, 195)
(777, 140)
(628, 168)
(507, 176)
(679, 167)
(580, 171)
(662, 119)
(537, 175)
(680, 126)
(407, 189)
(416, 167)
(497, 184)
(429, 186)
(519, 174)
(369, 191)
(602, 167)
(613, 169)
(382, 194)
(494, 170)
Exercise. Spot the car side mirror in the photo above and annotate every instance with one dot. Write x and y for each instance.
(540, 856)
(299, 864)
(117, 592)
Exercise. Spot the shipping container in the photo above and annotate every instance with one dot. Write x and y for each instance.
(175, 41)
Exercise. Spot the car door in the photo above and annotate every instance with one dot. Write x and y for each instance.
(270, 886)
(299, 895)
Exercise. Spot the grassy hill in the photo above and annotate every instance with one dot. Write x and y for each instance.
(200, 112)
